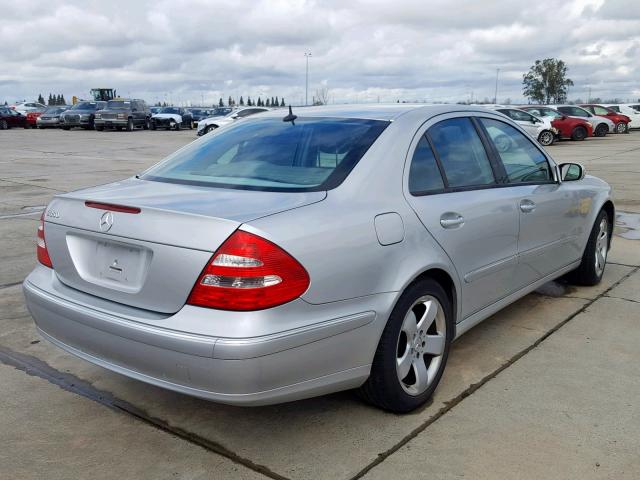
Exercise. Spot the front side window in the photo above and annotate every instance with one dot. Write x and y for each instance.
(522, 161)
(424, 175)
(268, 154)
(615, 108)
(461, 153)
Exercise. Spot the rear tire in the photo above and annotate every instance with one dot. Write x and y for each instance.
(413, 349)
(4, 125)
(147, 124)
(99, 128)
(579, 134)
(546, 138)
(594, 258)
(601, 130)
(130, 125)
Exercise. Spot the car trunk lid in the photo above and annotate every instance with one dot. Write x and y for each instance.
(149, 255)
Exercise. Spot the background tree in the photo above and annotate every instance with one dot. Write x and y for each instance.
(230, 101)
(322, 96)
(221, 103)
(62, 100)
(249, 102)
(40, 99)
(276, 102)
(282, 102)
(546, 81)
(268, 103)
(241, 101)
(50, 101)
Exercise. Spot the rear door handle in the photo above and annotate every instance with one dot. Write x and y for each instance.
(451, 220)
(527, 206)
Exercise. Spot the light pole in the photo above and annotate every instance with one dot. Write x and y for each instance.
(495, 96)
(306, 89)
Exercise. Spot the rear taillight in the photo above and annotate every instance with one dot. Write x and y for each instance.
(43, 254)
(249, 273)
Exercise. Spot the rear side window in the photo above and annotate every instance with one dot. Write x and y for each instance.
(424, 175)
(523, 162)
(461, 153)
(268, 154)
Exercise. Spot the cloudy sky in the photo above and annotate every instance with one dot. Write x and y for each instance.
(362, 50)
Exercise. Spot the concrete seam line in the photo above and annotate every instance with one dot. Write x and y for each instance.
(30, 185)
(9, 285)
(475, 386)
(35, 367)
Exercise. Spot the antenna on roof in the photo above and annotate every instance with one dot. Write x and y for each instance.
(290, 117)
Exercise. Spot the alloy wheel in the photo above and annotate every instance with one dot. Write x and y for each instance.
(546, 138)
(421, 345)
(602, 246)
(621, 127)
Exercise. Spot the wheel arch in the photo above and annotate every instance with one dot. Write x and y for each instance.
(610, 210)
(446, 281)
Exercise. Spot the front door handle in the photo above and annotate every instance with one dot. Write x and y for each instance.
(451, 220)
(527, 206)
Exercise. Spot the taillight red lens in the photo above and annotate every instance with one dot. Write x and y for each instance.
(43, 254)
(248, 272)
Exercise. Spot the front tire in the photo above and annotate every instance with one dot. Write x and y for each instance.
(594, 258)
(546, 138)
(4, 125)
(413, 349)
(621, 127)
(130, 125)
(601, 130)
(147, 124)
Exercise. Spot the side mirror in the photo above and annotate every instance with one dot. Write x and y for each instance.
(234, 116)
(570, 172)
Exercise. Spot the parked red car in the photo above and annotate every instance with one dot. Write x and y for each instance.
(621, 120)
(32, 118)
(568, 127)
(10, 118)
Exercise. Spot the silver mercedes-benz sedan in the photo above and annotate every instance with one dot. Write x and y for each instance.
(330, 248)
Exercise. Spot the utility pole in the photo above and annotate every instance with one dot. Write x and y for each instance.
(495, 96)
(589, 99)
(306, 89)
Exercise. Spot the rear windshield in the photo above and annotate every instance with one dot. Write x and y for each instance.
(269, 154)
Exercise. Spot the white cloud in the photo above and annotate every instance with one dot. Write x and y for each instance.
(363, 50)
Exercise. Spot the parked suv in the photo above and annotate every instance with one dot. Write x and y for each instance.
(567, 127)
(81, 115)
(620, 120)
(124, 113)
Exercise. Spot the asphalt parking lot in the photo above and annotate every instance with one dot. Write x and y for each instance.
(546, 388)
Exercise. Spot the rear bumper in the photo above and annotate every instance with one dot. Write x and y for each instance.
(323, 357)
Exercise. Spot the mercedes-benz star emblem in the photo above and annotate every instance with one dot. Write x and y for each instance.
(106, 221)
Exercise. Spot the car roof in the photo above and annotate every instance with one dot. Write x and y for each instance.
(377, 111)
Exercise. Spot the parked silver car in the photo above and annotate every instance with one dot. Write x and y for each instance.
(335, 248)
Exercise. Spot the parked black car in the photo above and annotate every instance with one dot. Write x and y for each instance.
(10, 118)
(124, 113)
(81, 115)
(172, 118)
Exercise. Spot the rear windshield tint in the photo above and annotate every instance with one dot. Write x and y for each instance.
(269, 154)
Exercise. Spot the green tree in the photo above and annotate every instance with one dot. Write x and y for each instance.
(275, 103)
(220, 102)
(50, 101)
(62, 100)
(546, 81)
(40, 99)
(230, 101)
(249, 102)
(282, 102)
(268, 103)
(241, 101)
